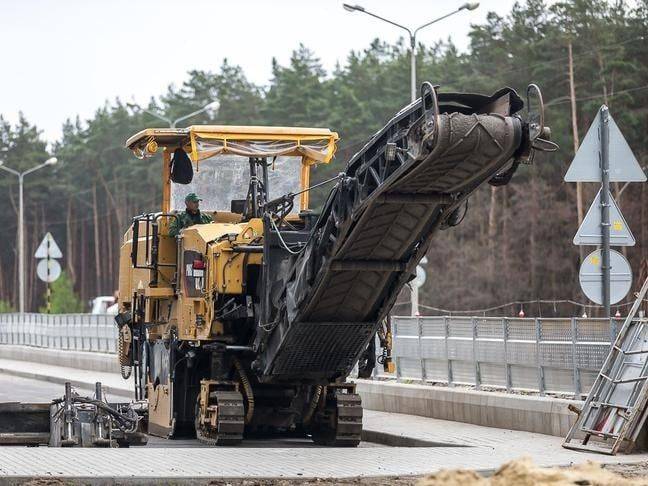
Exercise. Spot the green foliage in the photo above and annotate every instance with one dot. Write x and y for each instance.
(63, 299)
(6, 307)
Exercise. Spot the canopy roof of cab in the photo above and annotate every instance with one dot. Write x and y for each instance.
(315, 145)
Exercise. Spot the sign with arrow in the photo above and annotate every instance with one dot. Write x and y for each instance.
(589, 232)
(586, 166)
(48, 268)
(604, 156)
(48, 248)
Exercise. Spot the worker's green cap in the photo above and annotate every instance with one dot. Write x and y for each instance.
(192, 197)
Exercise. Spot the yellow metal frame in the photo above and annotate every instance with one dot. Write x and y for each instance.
(146, 143)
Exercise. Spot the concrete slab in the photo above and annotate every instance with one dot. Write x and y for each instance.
(531, 413)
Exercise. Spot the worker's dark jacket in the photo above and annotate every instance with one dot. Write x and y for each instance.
(186, 219)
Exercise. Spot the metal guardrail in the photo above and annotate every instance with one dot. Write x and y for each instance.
(541, 355)
(538, 355)
(74, 332)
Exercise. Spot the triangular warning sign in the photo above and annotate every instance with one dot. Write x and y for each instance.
(589, 232)
(48, 248)
(586, 166)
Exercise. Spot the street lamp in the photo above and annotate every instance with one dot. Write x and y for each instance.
(411, 33)
(174, 123)
(21, 226)
(412, 38)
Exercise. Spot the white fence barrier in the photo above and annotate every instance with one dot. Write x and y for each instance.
(540, 355)
(75, 332)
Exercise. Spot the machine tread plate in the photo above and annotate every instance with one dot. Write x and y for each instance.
(231, 420)
(347, 411)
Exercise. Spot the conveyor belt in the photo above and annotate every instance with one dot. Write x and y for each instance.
(377, 225)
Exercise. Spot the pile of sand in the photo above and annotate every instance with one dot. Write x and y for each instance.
(523, 472)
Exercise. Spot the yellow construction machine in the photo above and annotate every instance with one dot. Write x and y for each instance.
(254, 321)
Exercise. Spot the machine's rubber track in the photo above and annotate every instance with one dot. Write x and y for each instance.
(376, 226)
(341, 425)
(231, 420)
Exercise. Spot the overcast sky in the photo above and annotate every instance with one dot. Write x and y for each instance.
(61, 58)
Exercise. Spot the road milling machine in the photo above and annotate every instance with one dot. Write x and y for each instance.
(252, 323)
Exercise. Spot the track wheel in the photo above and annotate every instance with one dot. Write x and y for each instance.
(224, 421)
(339, 423)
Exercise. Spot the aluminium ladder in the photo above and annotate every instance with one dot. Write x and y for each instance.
(615, 409)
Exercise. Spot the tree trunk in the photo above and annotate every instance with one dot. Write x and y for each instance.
(69, 242)
(83, 263)
(574, 117)
(492, 232)
(97, 250)
(110, 278)
(533, 246)
(505, 239)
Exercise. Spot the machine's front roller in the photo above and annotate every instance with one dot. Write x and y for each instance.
(338, 420)
(219, 414)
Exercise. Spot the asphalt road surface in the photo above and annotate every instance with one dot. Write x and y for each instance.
(15, 389)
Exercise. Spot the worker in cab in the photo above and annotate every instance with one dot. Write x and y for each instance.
(190, 216)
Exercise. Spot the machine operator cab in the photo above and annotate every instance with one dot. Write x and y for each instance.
(240, 173)
(224, 160)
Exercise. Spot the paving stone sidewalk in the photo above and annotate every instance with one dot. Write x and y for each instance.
(468, 446)
(151, 464)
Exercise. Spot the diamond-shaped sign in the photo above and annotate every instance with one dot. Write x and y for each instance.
(48, 248)
(586, 166)
(589, 232)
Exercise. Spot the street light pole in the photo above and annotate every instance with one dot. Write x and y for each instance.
(174, 123)
(413, 91)
(21, 245)
(413, 67)
(412, 35)
(21, 226)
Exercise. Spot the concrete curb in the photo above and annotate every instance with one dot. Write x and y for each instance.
(81, 360)
(544, 415)
(394, 440)
(61, 381)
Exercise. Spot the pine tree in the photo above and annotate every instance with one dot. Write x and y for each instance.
(63, 299)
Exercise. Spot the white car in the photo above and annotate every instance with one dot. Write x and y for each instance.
(105, 304)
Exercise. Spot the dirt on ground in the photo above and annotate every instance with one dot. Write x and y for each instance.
(523, 472)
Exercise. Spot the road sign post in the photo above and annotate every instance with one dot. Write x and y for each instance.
(604, 156)
(48, 269)
(605, 205)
